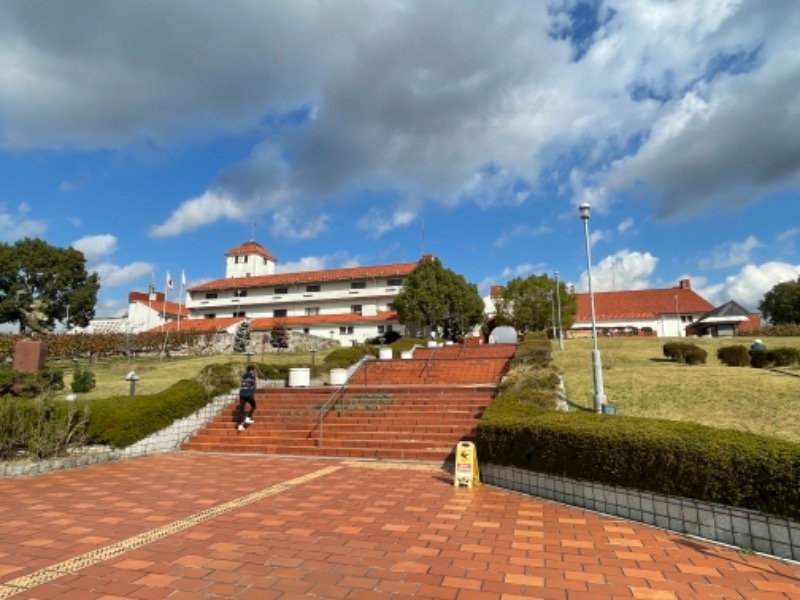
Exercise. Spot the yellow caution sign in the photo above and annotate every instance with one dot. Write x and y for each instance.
(466, 465)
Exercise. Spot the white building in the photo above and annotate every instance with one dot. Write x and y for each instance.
(348, 305)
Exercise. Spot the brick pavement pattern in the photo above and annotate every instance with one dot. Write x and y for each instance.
(192, 526)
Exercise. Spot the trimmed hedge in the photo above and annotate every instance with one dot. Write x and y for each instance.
(668, 457)
(123, 420)
(734, 356)
(685, 352)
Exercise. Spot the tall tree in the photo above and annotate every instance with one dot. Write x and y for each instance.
(530, 304)
(434, 298)
(41, 284)
(782, 303)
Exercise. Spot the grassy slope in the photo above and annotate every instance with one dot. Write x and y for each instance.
(158, 374)
(640, 381)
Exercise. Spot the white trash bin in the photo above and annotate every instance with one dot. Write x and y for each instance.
(385, 353)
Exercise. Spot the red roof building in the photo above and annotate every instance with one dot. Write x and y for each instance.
(661, 312)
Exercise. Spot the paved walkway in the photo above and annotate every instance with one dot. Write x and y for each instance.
(201, 526)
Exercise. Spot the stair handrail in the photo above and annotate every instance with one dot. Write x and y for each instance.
(428, 363)
(337, 395)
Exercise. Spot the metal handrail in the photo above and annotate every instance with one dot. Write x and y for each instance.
(335, 397)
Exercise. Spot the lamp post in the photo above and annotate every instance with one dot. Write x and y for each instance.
(678, 315)
(558, 307)
(597, 364)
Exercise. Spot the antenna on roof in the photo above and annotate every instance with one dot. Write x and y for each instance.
(422, 239)
(253, 234)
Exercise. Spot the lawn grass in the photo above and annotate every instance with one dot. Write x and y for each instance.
(157, 374)
(639, 381)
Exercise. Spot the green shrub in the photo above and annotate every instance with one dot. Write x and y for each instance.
(675, 351)
(123, 420)
(40, 428)
(734, 356)
(344, 357)
(83, 380)
(759, 359)
(406, 343)
(695, 355)
(784, 357)
(220, 378)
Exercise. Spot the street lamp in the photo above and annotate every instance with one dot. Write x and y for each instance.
(558, 305)
(597, 364)
(678, 315)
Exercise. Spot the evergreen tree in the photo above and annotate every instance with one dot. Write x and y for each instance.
(527, 304)
(434, 297)
(241, 341)
(781, 305)
(279, 336)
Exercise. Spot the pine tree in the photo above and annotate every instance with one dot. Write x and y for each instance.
(241, 341)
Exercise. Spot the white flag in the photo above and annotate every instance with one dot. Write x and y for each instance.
(183, 279)
(169, 281)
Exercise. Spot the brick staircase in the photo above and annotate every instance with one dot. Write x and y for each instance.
(407, 409)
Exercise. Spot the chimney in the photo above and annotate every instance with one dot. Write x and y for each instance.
(685, 284)
(495, 290)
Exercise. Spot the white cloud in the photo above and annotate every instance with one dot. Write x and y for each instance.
(113, 276)
(317, 263)
(624, 270)
(287, 223)
(521, 270)
(95, 247)
(730, 255)
(748, 286)
(625, 225)
(17, 226)
(377, 222)
(197, 212)
(524, 231)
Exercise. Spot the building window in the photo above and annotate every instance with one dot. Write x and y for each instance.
(211, 296)
(384, 328)
(312, 288)
(279, 312)
(346, 330)
(239, 315)
(210, 316)
(239, 293)
(358, 285)
(281, 290)
(240, 259)
(390, 306)
(306, 330)
(312, 311)
(355, 308)
(394, 282)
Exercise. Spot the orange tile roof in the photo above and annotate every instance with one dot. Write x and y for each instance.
(640, 304)
(251, 247)
(198, 325)
(172, 309)
(395, 270)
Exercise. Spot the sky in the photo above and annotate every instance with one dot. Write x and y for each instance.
(154, 137)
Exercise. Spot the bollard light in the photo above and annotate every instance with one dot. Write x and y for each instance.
(132, 378)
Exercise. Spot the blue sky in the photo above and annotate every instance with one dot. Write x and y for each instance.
(154, 137)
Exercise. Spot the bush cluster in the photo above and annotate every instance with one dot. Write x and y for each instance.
(29, 384)
(741, 356)
(685, 352)
(40, 427)
(344, 357)
(83, 380)
(734, 356)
